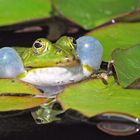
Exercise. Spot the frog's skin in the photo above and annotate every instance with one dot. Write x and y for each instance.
(45, 54)
(50, 64)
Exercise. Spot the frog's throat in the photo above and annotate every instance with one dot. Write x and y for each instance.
(53, 76)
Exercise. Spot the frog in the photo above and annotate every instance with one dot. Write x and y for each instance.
(48, 64)
(52, 64)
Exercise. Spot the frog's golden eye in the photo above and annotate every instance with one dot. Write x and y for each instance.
(40, 46)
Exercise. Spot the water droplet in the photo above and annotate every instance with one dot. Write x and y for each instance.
(113, 21)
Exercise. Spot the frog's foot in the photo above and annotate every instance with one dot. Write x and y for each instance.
(109, 67)
(46, 114)
(102, 75)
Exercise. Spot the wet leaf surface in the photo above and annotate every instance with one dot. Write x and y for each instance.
(17, 87)
(11, 11)
(93, 97)
(120, 35)
(91, 13)
(127, 65)
(15, 103)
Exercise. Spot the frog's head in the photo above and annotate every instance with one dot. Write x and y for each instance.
(45, 54)
(68, 44)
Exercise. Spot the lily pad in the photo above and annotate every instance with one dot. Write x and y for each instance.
(14, 103)
(17, 87)
(13, 11)
(92, 13)
(93, 97)
(120, 35)
(127, 65)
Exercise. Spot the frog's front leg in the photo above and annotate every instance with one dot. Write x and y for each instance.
(108, 70)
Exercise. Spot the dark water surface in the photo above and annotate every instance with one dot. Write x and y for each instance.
(23, 128)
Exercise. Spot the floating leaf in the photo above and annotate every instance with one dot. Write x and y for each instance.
(12, 11)
(14, 103)
(127, 65)
(121, 35)
(15, 86)
(92, 13)
(93, 97)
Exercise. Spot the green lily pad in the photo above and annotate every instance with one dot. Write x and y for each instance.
(17, 87)
(91, 13)
(92, 97)
(12, 11)
(121, 35)
(127, 65)
(14, 103)
(16, 95)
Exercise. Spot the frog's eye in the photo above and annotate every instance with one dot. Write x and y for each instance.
(37, 45)
(40, 46)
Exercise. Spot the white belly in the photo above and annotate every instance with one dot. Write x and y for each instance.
(52, 76)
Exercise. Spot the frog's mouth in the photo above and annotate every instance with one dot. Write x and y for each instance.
(66, 63)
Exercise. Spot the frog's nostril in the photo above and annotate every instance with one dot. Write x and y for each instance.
(38, 45)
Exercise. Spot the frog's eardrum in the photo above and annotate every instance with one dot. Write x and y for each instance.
(10, 63)
(90, 51)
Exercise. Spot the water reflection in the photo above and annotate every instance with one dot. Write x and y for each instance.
(118, 129)
(117, 124)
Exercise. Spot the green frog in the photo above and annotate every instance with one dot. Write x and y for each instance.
(51, 64)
